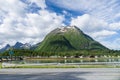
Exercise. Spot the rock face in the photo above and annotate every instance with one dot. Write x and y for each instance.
(66, 39)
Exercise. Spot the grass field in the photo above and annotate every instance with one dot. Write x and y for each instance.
(85, 59)
(64, 66)
(0, 65)
(24, 65)
(48, 66)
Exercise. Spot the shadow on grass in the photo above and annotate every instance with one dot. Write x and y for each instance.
(44, 76)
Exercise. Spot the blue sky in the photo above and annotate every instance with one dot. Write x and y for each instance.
(31, 20)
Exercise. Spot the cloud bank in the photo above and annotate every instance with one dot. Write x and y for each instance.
(18, 24)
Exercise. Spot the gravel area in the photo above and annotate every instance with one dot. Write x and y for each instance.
(61, 74)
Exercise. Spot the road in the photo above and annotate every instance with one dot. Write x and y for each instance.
(61, 74)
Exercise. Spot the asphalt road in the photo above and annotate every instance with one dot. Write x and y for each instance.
(61, 74)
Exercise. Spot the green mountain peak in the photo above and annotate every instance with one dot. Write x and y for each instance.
(68, 38)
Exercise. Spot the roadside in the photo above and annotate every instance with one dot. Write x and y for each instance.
(59, 65)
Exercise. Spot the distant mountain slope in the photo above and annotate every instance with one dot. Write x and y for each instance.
(7, 47)
(18, 45)
(66, 39)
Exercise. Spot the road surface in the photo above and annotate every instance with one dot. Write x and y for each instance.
(61, 74)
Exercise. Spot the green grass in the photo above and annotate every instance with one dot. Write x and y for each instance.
(66, 66)
(63, 58)
(46, 66)
(0, 65)
(98, 66)
(84, 59)
(23, 65)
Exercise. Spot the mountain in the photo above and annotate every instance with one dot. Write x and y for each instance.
(7, 47)
(18, 45)
(26, 46)
(68, 39)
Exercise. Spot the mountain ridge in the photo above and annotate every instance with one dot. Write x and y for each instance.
(17, 45)
(66, 39)
(69, 38)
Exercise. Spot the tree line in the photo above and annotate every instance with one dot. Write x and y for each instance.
(85, 53)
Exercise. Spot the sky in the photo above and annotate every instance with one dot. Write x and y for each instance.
(29, 21)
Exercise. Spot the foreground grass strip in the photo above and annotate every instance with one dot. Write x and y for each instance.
(46, 66)
(96, 66)
(0, 65)
(67, 66)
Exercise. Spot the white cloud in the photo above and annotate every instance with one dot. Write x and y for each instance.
(103, 33)
(42, 23)
(103, 9)
(18, 25)
(114, 26)
(40, 3)
(112, 44)
(89, 23)
(9, 7)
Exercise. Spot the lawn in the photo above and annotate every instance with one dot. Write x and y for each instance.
(0, 65)
(63, 66)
